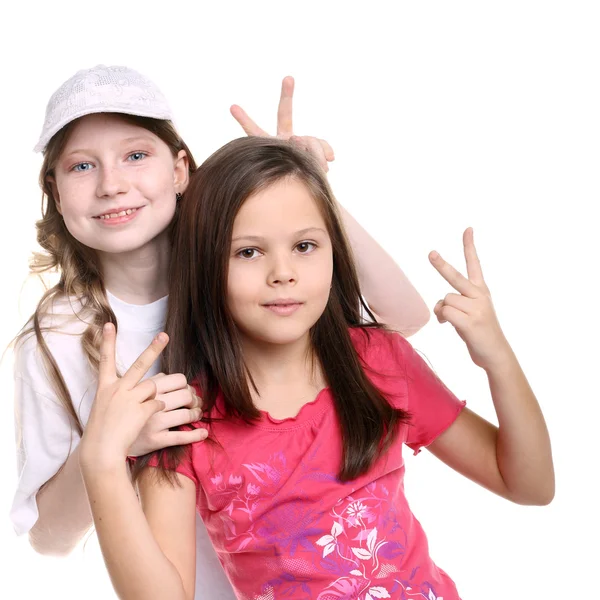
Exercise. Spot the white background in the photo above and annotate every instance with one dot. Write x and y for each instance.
(443, 115)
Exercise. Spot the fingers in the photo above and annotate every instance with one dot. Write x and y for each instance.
(144, 361)
(196, 400)
(458, 281)
(457, 318)
(437, 311)
(474, 271)
(107, 369)
(180, 399)
(285, 126)
(144, 391)
(460, 303)
(180, 438)
(247, 124)
(170, 383)
(176, 418)
(152, 407)
(312, 145)
(329, 154)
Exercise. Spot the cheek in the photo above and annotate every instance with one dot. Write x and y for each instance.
(321, 275)
(241, 286)
(157, 182)
(72, 200)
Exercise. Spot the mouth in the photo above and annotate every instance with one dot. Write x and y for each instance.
(117, 213)
(283, 307)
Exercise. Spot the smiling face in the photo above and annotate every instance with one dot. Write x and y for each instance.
(115, 184)
(280, 266)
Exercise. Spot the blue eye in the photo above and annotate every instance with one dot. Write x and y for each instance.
(136, 156)
(81, 167)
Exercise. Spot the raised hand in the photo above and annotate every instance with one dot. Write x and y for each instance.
(123, 406)
(471, 311)
(320, 149)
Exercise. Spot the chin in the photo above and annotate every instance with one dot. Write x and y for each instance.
(279, 336)
(120, 246)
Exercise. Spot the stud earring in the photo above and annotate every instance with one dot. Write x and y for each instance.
(178, 197)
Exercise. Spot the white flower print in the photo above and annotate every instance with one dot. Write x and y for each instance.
(330, 541)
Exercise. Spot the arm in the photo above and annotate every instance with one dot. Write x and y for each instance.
(148, 556)
(64, 512)
(50, 502)
(140, 565)
(387, 290)
(515, 459)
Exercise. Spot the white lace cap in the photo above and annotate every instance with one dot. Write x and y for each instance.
(102, 89)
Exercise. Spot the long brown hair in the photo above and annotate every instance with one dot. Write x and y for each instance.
(77, 265)
(206, 346)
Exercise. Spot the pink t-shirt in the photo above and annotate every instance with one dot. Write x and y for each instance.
(283, 525)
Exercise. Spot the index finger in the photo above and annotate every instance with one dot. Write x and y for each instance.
(144, 361)
(107, 368)
(248, 125)
(285, 127)
(473, 265)
(457, 280)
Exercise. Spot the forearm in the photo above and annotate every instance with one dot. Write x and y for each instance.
(387, 290)
(64, 512)
(137, 566)
(523, 447)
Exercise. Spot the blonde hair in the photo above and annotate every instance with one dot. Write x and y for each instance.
(80, 275)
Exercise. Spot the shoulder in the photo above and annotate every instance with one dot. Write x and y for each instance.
(380, 347)
(61, 328)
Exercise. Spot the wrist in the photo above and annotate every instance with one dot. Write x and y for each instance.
(503, 362)
(97, 460)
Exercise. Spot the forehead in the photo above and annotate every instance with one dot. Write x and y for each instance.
(105, 128)
(284, 205)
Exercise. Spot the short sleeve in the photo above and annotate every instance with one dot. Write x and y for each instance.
(45, 439)
(185, 466)
(432, 406)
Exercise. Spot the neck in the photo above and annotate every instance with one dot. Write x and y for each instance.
(275, 364)
(139, 276)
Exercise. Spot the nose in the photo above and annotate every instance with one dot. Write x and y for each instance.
(282, 271)
(111, 182)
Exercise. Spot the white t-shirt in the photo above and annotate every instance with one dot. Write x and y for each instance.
(45, 436)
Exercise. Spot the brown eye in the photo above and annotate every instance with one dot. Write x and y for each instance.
(248, 253)
(305, 247)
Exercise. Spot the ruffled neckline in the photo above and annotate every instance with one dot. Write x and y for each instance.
(307, 413)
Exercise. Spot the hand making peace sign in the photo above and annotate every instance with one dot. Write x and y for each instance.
(320, 149)
(124, 406)
(471, 311)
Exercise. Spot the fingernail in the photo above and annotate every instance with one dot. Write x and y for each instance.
(435, 255)
(161, 337)
(107, 327)
(204, 434)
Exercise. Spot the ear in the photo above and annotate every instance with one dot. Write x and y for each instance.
(181, 173)
(55, 195)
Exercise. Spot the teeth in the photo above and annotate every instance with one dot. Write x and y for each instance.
(123, 213)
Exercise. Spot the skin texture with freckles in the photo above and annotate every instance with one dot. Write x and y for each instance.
(108, 165)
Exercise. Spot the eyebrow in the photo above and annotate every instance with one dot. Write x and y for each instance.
(129, 140)
(258, 238)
